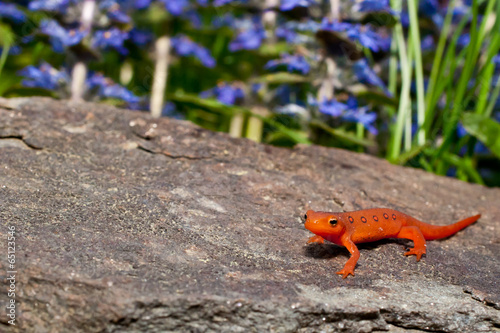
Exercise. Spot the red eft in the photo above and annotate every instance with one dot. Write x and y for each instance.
(368, 225)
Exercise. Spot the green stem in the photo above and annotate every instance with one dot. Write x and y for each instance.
(419, 72)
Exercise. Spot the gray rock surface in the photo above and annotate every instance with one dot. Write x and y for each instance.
(126, 224)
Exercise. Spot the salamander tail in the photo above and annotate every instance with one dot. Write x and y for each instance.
(431, 232)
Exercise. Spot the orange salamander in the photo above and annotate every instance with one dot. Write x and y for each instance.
(368, 225)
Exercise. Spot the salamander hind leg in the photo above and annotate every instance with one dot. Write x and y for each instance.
(413, 233)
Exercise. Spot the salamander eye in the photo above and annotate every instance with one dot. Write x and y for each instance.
(333, 221)
(305, 217)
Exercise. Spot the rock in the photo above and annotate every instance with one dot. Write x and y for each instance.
(126, 223)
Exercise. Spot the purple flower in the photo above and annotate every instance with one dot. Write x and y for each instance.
(225, 93)
(107, 88)
(45, 76)
(11, 12)
(112, 38)
(60, 37)
(332, 107)
(186, 47)
(369, 38)
(366, 75)
(59, 6)
(293, 63)
(291, 4)
(249, 39)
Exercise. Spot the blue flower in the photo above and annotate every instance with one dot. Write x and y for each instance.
(291, 4)
(349, 112)
(114, 12)
(366, 75)
(226, 20)
(112, 38)
(140, 37)
(288, 34)
(170, 110)
(107, 88)
(335, 26)
(463, 40)
(249, 39)
(193, 17)
(308, 25)
(141, 4)
(332, 107)
(427, 44)
(293, 63)
(360, 115)
(176, 7)
(60, 37)
(218, 3)
(369, 38)
(374, 6)
(11, 12)
(225, 93)
(45, 76)
(59, 6)
(13, 50)
(186, 47)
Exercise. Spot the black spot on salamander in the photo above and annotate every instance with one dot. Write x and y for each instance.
(386, 216)
(351, 219)
(363, 219)
(375, 217)
(393, 216)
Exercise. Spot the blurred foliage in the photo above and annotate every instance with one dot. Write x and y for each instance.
(413, 81)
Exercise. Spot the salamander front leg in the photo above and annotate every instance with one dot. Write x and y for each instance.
(316, 239)
(351, 263)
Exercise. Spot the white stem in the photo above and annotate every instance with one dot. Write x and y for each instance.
(87, 14)
(78, 76)
(162, 48)
(79, 72)
(335, 9)
(327, 87)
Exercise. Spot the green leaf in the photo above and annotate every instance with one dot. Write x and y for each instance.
(231, 110)
(340, 134)
(408, 155)
(378, 98)
(484, 129)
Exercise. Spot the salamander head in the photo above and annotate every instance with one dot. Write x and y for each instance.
(328, 225)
